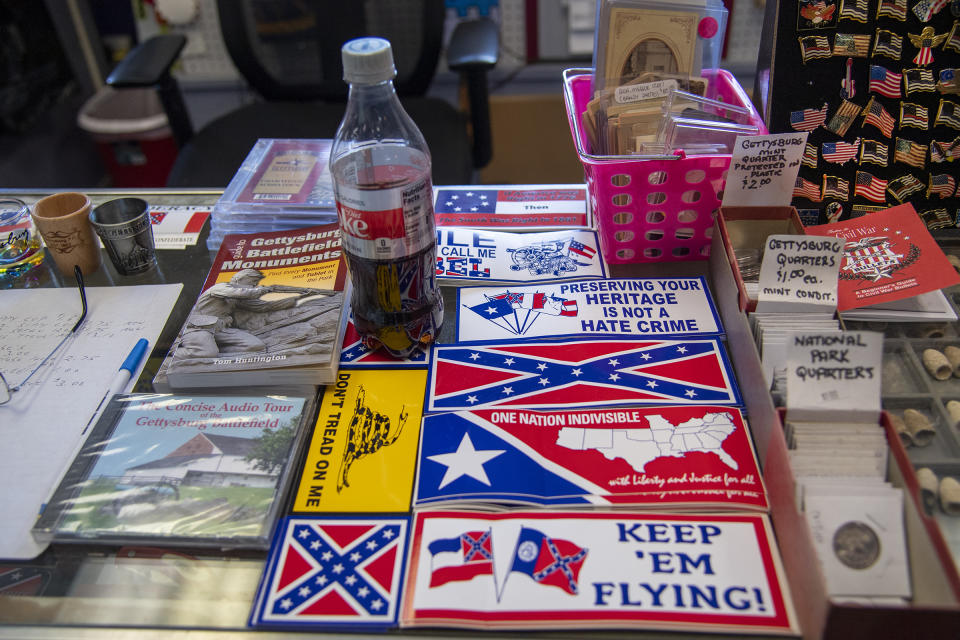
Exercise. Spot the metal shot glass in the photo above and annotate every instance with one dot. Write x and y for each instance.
(124, 227)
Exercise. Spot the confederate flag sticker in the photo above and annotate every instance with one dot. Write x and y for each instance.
(579, 373)
(333, 573)
(593, 570)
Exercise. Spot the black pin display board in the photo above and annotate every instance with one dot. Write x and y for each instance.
(888, 74)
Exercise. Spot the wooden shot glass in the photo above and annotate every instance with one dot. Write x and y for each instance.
(62, 219)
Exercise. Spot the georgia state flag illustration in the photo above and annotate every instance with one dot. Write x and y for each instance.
(549, 561)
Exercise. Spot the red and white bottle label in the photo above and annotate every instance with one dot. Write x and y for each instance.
(386, 223)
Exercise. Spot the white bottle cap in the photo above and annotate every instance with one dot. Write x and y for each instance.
(368, 60)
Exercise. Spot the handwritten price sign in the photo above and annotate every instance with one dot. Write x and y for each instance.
(799, 273)
(763, 170)
(835, 375)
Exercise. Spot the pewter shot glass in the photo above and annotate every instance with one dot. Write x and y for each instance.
(124, 227)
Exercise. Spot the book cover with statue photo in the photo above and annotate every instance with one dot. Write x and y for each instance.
(185, 470)
(272, 311)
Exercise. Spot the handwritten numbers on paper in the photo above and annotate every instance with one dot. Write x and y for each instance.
(27, 338)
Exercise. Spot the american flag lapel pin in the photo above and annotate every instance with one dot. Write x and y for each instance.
(835, 187)
(888, 44)
(926, 41)
(840, 152)
(924, 10)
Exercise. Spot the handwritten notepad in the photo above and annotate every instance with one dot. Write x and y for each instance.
(42, 427)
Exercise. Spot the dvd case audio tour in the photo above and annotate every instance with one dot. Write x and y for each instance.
(180, 470)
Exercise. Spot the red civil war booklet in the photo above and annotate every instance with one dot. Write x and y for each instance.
(889, 255)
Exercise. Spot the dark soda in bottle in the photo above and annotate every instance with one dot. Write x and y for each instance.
(380, 166)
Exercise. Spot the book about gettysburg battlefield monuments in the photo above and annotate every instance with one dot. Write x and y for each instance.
(272, 311)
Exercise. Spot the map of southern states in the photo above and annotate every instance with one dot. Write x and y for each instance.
(641, 446)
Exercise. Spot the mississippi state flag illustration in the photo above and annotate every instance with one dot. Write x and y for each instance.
(461, 558)
(551, 562)
(327, 572)
(580, 373)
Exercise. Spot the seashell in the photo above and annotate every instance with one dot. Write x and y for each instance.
(950, 496)
(953, 408)
(931, 331)
(921, 431)
(929, 489)
(953, 357)
(901, 428)
(936, 364)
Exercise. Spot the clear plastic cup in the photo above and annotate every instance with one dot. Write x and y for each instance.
(20, 245)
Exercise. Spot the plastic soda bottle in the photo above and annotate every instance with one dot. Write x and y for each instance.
(380, 165)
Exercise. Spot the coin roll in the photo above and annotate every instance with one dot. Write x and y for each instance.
(936, 364)
(953, 357)
(929, 489)
(901, 428)
(921, 431)
(953, 408)
(950, 496)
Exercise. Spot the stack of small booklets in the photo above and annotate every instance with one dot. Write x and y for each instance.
(272, 311)
(576, 459)
(283, 184)
(855, 515)
(841, 465)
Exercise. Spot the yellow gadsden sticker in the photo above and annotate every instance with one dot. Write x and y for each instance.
(363, 450)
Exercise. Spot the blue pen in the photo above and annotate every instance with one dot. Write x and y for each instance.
(124, 373)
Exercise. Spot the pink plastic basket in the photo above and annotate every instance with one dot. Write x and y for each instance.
(652, 210)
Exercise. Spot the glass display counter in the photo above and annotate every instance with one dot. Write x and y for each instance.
(143, 592)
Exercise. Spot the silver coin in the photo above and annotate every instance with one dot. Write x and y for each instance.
(856, 545)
